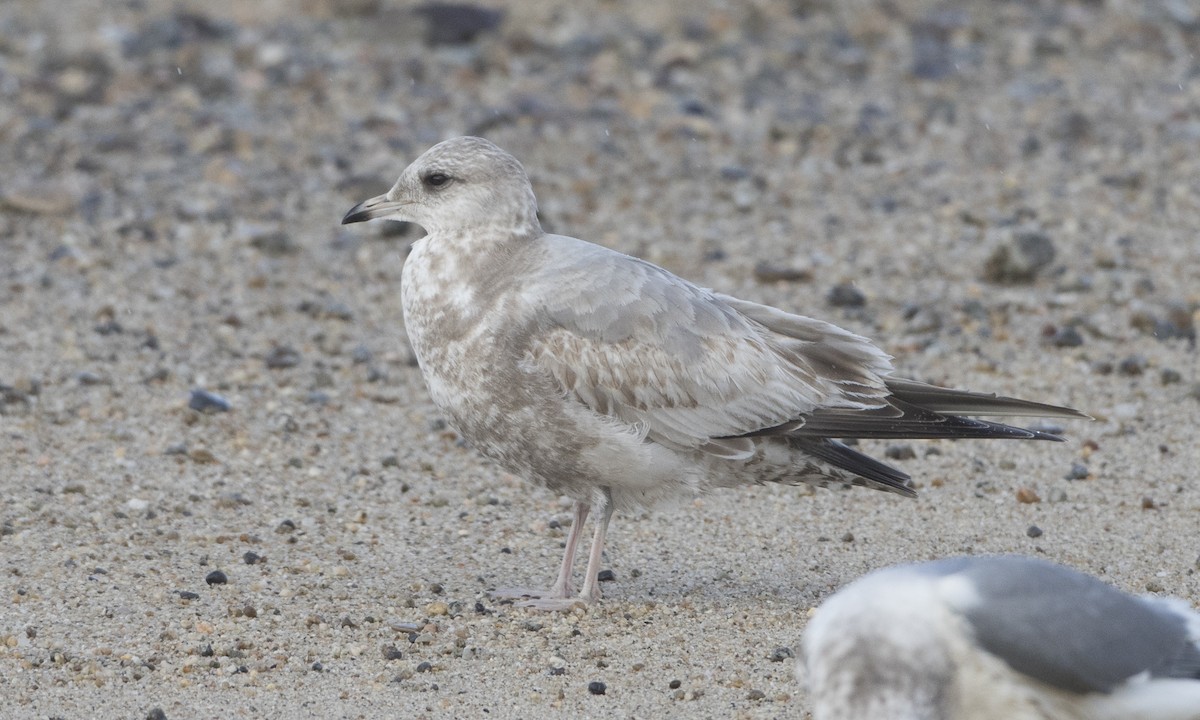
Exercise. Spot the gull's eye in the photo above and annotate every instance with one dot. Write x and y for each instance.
(437, 180)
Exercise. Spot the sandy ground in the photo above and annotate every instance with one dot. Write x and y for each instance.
(172, 185)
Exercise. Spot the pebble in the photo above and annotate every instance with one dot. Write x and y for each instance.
(780, 654)
(900, 452)
(391, 652)
(204, 401)
(156, 714)
(424, 667)
(216, 577)
(1078, 471)
(596, 687)
(251, 558)
(457, 23)
(846, 295)
(606, 576)
(1033, 531)
(767, 272)
(282, 357)
(1066, 336)
(1027, 496)
(1019, 257)
(1132, 365)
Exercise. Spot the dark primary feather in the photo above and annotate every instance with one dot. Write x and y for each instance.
(838, 455)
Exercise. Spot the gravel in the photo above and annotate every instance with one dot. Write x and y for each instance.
(174, 178)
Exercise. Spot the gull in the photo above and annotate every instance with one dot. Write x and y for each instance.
(999, 638)
(607, 379)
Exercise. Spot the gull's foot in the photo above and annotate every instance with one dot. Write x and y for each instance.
(552, 600)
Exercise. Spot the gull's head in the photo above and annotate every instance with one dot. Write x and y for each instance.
(464, 183)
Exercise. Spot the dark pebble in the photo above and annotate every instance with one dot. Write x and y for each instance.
(848, 537)
(675, 684)
(768, 273)
(556, 671)
(156, 714)
(606, 576)
(596, 687)
(207, 650)
(437, 589)
(846, 295)
(424, 667)
(216, 577)
(1020, 258)
(391, 652)
(281, 357)
(188, 595)
(1066, 336)
(1169, 376)
(1078, 471)
(285, 526)
(390, 461)
(756, 695)
(782, 653)
(900, 452)
(457, 23)
(1034, 531)
(1132, 365)
(251, 558)
(317, 667)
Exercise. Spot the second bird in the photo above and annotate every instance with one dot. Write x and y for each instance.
(610, 380)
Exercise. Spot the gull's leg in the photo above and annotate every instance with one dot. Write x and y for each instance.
(591, 586)
(562, 586)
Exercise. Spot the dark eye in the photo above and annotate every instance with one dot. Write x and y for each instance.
(437, 180)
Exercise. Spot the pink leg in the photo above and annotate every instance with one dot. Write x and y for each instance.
(562, 587)
(591, 586)
(560, 594)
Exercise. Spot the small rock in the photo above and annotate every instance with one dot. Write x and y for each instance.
(1027, 496)
(156, 714)
(188, 595)
(424, 667)
(1019, 258)
(606, 576)
(1170, 376)
(1033, 531)
(1148, 503)
(317, 667)
(282, 356)
(1066, 336)
(596, 687)
(848, 537)
(768, 272)
(209, 402)
(846, 295)
(457, 23)
(900, 452)
(391, 652)
(756, 695)
(252, 558)
(1078, 471)
(1133, 365)
(780, 654)
(216, 577)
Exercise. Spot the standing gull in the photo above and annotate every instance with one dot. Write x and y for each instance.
(1000, 638)
(608, 379)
